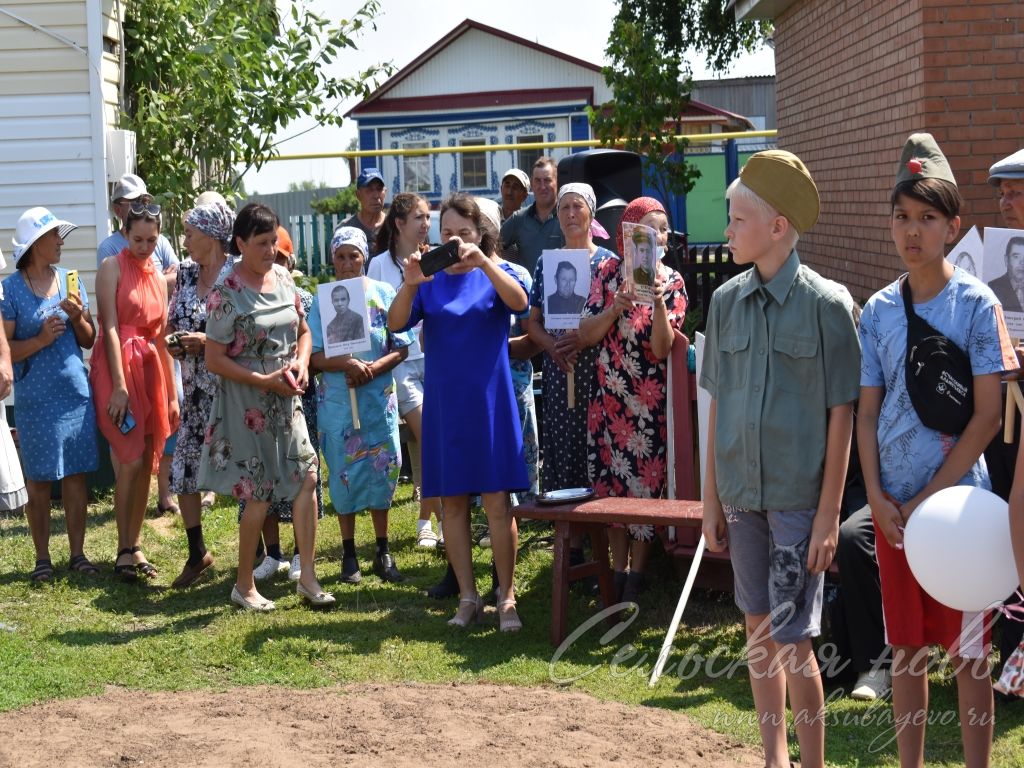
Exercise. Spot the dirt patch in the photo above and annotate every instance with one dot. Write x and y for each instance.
(398, 726)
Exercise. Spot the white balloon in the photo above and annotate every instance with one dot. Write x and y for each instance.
(958, 546)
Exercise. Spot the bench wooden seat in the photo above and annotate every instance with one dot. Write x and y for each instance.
(593, 517)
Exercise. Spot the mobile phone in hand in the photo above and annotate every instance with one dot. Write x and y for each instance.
(73, 282)
(128, 423)
(434, 261)
(290, 378)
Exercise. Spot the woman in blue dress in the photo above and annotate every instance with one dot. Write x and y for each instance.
(473, 441)
(362, 463)
(48, 327)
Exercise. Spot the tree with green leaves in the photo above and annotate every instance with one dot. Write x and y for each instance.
(650, 78)
(209, 83)
(343, 202)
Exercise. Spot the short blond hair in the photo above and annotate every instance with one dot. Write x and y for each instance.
(740, 191)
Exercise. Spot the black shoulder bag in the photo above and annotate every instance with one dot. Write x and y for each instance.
(940, 381)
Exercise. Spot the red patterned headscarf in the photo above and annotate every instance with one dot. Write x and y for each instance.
(635, 211)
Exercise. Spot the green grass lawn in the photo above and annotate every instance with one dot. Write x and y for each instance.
(74, 636)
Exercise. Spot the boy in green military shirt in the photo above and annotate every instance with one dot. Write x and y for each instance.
(782, 364)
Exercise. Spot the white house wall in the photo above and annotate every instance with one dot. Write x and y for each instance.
(478, 61)
(56, 100)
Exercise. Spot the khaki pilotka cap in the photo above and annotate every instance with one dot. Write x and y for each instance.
(922, 159)
(782, 180)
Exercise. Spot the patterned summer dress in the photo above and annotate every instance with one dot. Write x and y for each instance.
(362, 464)
(627, 413)
(256, 444)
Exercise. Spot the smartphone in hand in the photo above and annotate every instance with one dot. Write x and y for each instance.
(434, 261)
(73, 282)
(128, 424)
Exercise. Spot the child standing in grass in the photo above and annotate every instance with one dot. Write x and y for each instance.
(904, 462)
(780, 361)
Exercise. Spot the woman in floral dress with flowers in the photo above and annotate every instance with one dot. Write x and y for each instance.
(362, 463)
(207, 237)
(564, 435)
(256, 446)
(627, 416)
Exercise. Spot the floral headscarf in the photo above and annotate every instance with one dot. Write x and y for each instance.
(213, 220)
(634, 212)
(586, 192)
(349, 236)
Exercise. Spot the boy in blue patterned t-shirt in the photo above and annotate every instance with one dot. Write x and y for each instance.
(904, 462)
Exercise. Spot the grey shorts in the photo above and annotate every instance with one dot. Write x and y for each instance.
(409, 385)
(768, 550)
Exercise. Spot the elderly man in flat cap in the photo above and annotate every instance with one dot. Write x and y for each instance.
(1007, 176)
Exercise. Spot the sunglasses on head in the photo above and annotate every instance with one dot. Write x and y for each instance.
(140, 208)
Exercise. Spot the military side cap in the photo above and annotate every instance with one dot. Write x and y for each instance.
(922, 159)
(781, 180)
(1011, 167)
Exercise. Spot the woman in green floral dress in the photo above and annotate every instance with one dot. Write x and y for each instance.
(257, 447)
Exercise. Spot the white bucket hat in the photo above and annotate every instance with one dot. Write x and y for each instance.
(33, 224)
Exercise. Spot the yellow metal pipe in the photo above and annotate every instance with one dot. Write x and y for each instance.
(587, 144)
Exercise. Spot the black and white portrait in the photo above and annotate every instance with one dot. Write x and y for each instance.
(566, 275)
(1003, 270)
(343, 316)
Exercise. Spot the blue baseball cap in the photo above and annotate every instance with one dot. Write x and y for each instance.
(368, 175)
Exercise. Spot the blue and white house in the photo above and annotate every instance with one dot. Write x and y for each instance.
(481, 86)
(476, 86)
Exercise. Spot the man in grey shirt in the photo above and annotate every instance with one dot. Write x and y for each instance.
(533, 229)
(129, 190)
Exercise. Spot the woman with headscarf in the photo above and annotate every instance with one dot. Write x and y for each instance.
(471, 423)
(207, 237)
(564, 433)
(362, 461)
(56, 419)
(626, 418)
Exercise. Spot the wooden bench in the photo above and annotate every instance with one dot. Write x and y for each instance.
(593, 517)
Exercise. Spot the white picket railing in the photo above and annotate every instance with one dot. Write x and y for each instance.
(311, 238)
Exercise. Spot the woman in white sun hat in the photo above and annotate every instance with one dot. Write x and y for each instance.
(56, 419)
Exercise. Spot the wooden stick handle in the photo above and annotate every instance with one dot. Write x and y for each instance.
(355, 407)
(570, 388)
(1010, 412)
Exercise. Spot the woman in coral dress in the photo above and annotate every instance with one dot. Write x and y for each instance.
(132, 378)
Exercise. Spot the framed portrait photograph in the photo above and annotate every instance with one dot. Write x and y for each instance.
(344, 317)
(566, 276)
(1003, 271)
(640, 261)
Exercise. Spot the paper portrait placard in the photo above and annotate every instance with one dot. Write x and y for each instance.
(640, 261)
(344, 317)
(566, 275)
(968, 254)
(1003, 270)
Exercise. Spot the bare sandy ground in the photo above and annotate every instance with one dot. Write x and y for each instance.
(385, 726)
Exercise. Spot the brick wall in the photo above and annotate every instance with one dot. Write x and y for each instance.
(856, 77)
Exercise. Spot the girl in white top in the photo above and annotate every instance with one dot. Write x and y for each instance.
(404, 230)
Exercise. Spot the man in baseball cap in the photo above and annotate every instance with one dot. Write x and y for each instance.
(515, 188)
(127, 191)
(370, 191)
